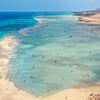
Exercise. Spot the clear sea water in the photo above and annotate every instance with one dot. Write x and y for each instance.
(60, 53)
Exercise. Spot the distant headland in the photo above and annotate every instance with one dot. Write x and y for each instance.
(92, 16)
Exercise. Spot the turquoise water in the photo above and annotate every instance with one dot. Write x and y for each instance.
(60, 53)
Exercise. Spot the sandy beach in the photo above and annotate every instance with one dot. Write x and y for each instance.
(9, 92)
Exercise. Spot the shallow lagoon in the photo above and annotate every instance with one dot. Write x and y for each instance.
(60, 53)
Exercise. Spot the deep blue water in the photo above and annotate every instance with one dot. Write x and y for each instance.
(10, 15)
(14, 21)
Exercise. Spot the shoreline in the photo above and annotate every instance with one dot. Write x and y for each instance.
(8, 91)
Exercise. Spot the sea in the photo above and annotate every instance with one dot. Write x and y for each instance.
(55, 51)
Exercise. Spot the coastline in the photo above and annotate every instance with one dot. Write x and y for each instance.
(8, 91)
